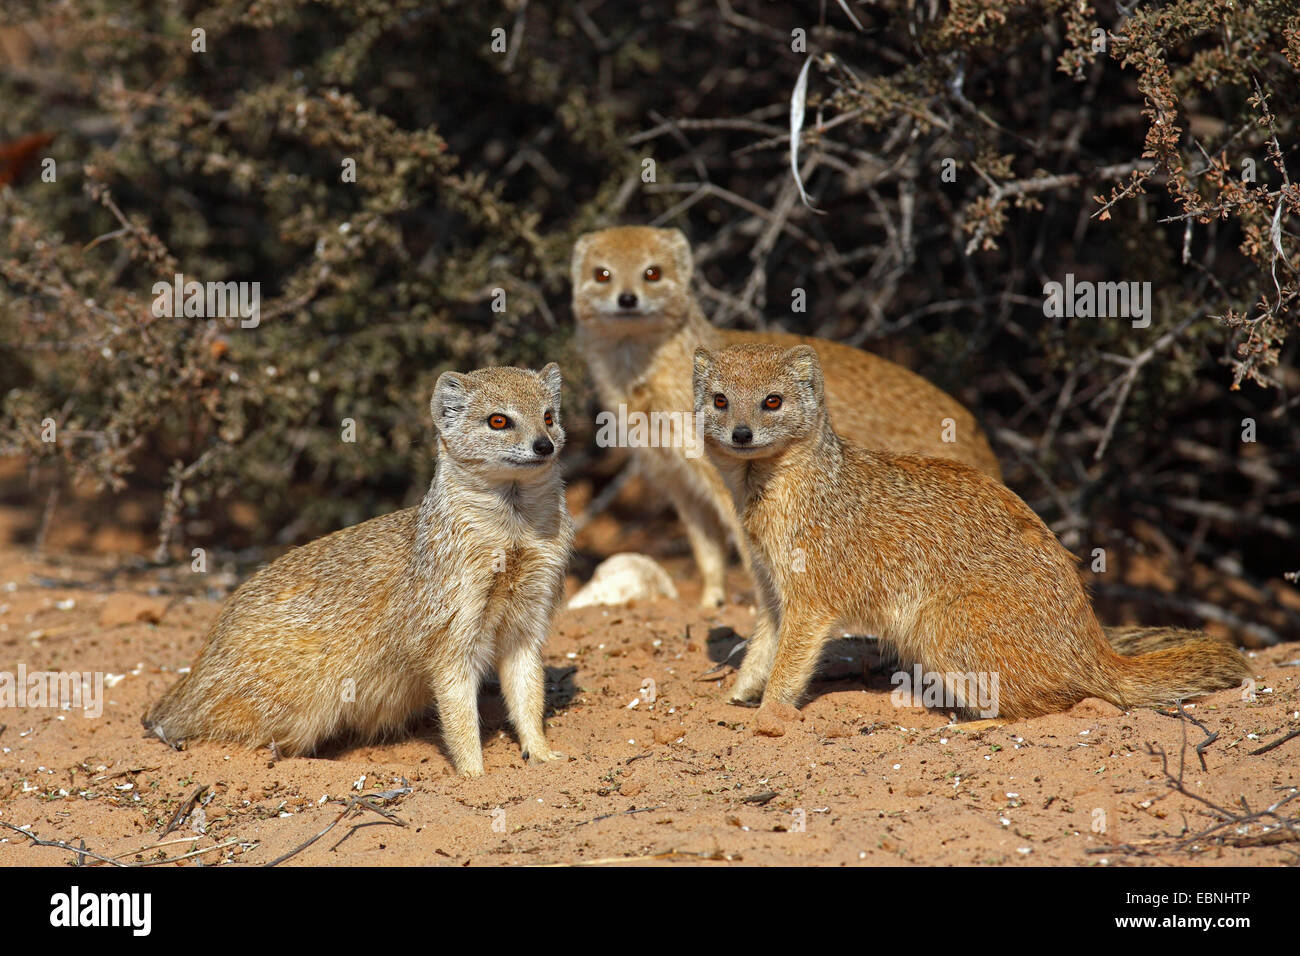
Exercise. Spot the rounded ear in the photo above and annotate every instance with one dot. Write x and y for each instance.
(700, 376)
(551, 378)
(580, 247)
(680, 247)
(807, 367)
(449, 398)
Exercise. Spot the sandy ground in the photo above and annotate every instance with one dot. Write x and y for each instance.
(661, 767)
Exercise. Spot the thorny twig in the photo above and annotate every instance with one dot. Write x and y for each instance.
(353, 806)
(1282, 830)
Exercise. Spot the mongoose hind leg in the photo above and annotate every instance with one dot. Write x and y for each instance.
(709, 545)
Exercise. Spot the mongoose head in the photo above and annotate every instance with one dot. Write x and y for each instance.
(632, 280)
(503, 424)
(754, 401)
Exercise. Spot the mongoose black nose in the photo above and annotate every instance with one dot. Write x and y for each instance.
(543, 446)
(627, 300)
(741, 435)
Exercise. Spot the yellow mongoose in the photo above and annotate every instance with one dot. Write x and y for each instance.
(638, 326)
(953, 571)
(356, 633)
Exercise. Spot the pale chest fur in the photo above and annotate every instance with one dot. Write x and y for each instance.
(512, 560)
(637, 379)
(491, 561)
(529, 576)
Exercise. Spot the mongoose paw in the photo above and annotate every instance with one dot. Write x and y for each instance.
(472, 772)
(540, 757)
(979, 726)
(747, 693)
(712, 598)
(157, 731)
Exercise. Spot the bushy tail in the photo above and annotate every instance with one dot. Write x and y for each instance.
(1131, 640)
(1162, 664)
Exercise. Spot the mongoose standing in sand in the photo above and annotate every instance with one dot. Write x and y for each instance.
(638, 326)
(358, 632)
(951, 569)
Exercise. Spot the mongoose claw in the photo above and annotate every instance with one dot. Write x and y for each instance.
(746, 692)
(157, 731)
(534, 759)
(472, 772)
(713, 598)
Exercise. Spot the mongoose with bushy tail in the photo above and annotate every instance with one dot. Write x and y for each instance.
(951, 569)
(353, 635)
(638, 325)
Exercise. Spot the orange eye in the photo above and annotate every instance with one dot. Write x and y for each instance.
(772, 402)
(498, 422)
(653, 274)
(719, 400)
(602, 275)
(549, 419)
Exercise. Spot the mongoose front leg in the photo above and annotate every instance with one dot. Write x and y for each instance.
(523, 684)
(708, 538)
(800, 639)
(761, 651)
(759, 655)
(456, 695)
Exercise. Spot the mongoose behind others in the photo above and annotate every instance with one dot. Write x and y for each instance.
(638, 325)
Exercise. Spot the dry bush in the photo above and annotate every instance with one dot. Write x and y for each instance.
(1162, 157)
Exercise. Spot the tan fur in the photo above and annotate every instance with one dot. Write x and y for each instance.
(641, 359)
(406, 610)
(949, 568)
